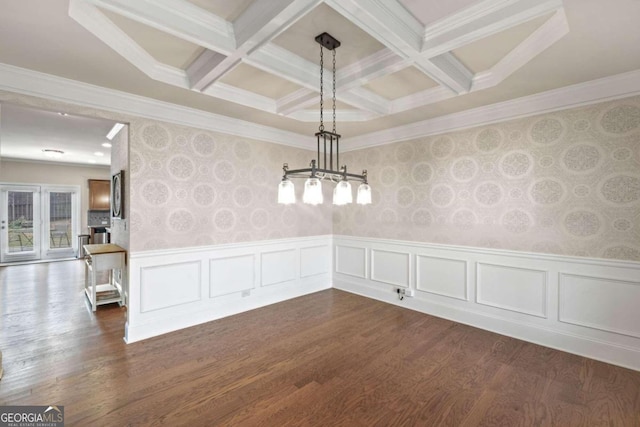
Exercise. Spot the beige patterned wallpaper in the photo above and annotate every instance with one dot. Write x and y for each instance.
(563, 183)
(120, 162)
(566, 183)
(191, 187)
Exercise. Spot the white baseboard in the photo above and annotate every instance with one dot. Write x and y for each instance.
(582, 306)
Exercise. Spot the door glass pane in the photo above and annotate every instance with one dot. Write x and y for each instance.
(20, 221)
(59, 220)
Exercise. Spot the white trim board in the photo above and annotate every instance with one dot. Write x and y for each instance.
(33, 83)
(560, 302)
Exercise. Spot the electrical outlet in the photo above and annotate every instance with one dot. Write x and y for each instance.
(404, 292)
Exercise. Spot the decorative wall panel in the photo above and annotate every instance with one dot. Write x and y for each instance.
(442, 276)
(278, 267)
(601, 303)
(231, 274)
(390, 267)
(169, 285)
(512, 288)
(351, 260)
(315, 260)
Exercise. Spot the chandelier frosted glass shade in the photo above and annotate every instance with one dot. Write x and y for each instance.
(312, 192)
(342, 193)
(286, 192)
(364, 194)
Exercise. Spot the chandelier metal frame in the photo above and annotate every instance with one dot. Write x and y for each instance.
(328, 142)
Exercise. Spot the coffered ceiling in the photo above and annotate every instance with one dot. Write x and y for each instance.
(401, 62)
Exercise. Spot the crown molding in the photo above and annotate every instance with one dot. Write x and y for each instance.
(606, 89)
(33, 83)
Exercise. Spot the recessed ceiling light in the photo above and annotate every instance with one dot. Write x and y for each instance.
(54, 154)
(91, 161)
(114, 131)
(99, 153)
(106, 144)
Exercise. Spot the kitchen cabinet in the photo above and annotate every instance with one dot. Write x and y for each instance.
(99, 194)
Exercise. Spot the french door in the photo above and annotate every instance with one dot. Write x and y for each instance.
(38, 222)
(20, 223)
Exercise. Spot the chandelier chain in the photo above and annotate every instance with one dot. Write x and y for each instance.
(334, 91)
(321, 128)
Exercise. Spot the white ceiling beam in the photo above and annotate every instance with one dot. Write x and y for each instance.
(377, 65)
(99, 25)
(393, 26)
(447, 70)
(198, 70)
(385, 20)
(264, 20)
(420, 99)
(295, 101)
(180, 18)
(482, 20)
(550, 32)
(281, 62)
(256, 26)
(241, 96)
(363, 98)
(342, 116)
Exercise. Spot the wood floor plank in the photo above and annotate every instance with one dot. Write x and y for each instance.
(326, 359)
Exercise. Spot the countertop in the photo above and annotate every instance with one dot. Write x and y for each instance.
(106, 248)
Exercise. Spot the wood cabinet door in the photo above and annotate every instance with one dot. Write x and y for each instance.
(99, 194)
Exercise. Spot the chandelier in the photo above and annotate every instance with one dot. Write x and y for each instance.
(328, 146)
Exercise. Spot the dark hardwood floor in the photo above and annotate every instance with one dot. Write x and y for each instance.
(327, 359)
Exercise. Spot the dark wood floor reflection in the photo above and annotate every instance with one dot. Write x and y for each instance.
(326, 359)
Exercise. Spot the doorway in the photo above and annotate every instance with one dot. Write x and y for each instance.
(38, 222)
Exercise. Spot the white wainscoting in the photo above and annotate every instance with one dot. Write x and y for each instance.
(175, 289)
(579, 305)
